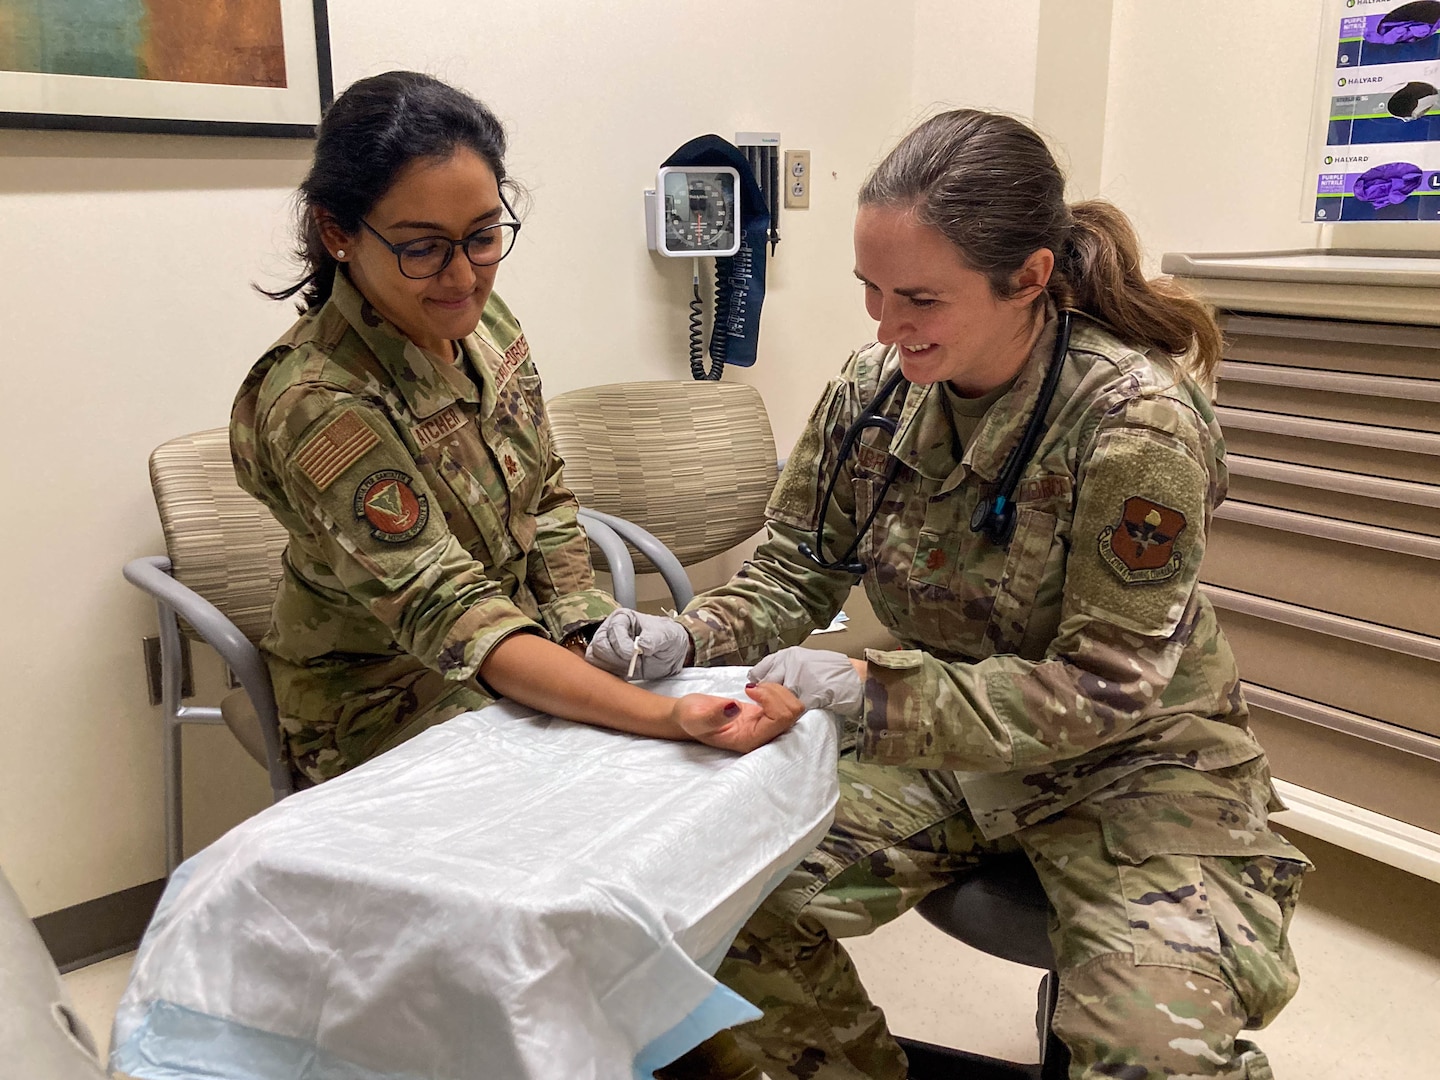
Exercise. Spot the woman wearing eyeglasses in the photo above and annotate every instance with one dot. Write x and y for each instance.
(398, 433)
(1022, 471)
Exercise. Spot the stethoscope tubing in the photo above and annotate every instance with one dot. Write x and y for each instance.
(994, 516)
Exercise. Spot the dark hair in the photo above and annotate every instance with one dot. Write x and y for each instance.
(371, 132)
(990, 185)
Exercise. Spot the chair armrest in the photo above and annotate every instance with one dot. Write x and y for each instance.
(617, 556)
(661, 557)
(151, 573)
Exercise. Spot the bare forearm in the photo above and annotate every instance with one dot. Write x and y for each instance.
(536, 672)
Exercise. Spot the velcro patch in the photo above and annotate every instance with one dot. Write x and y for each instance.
(394, 511)
(339, 444)
(1140, 547)
(431, 431)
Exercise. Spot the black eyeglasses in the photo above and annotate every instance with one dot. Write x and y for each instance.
(430, 255)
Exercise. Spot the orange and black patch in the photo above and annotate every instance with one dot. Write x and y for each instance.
(1140, 547)
(394, 511)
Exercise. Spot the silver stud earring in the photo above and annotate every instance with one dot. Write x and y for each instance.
(340, 254)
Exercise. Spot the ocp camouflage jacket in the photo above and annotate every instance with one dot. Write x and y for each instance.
(1043, 671)
(425, 505)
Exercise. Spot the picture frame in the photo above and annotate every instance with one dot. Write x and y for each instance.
(191, 67)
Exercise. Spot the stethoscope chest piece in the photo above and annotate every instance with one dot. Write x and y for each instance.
(995, 519)
(994, 516)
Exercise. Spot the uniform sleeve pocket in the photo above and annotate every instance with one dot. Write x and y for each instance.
(796, 498)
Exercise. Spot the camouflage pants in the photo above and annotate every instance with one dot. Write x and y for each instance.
(1172, 901)
(334, 716)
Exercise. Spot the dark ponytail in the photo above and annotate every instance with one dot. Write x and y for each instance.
(1098, 271)
(371, 132)
(990, 185)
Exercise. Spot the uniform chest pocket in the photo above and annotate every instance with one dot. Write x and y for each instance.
(926, 577)
(980, 598)
(1028, 566)
(522, 447)
(470, 474)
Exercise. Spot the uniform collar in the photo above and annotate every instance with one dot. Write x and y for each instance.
(490, 363)
(925, 439)
(427, 384)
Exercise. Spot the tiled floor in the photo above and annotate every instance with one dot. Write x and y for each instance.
(1367, 935)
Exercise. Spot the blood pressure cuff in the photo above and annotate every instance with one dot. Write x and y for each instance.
(739, 278)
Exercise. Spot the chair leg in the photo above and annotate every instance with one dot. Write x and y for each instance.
(172, 706)
(1054, 1054)
(174, 820)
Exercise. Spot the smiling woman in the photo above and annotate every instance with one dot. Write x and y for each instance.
(398, 433)
(1022, 470)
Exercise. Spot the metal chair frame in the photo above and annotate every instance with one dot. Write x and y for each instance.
(173, 600)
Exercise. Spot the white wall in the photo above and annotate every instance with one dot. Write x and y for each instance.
(1206, 127)
(125, 264)
(127, 318)
(1207, 121)
(974, 55)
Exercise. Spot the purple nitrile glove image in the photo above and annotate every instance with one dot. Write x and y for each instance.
(1389, 184)
(1409, 22)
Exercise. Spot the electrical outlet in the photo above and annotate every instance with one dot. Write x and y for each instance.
(797, 179)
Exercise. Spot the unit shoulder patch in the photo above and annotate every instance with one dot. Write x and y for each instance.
(390, 505)
(337, 446)
(1140, 547)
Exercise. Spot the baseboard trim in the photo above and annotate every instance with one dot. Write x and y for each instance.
(98, 929)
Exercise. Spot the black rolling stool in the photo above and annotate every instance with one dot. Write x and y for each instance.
(999, 909)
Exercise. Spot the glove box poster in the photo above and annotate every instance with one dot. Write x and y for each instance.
(1375, 148)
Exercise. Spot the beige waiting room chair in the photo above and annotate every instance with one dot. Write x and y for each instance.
(679, 470)
(219, 575)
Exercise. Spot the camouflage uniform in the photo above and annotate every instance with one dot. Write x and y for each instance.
(427, 516)
(1070, 696)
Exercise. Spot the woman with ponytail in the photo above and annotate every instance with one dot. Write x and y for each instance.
(1062, 688)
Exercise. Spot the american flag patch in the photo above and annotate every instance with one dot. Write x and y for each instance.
(340, 444)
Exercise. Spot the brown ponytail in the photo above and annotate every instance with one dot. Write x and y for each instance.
(1097, 271)
(989, 183)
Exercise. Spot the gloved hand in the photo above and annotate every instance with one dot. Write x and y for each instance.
(820, 679)
(662, 643)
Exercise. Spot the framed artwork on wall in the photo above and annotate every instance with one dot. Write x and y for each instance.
(198, 67)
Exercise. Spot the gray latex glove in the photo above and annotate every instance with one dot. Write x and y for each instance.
(663, 645)
(820, 679)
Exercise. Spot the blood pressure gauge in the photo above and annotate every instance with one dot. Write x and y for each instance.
(696, 213)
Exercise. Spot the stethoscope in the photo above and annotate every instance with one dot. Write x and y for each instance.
(994, 517)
